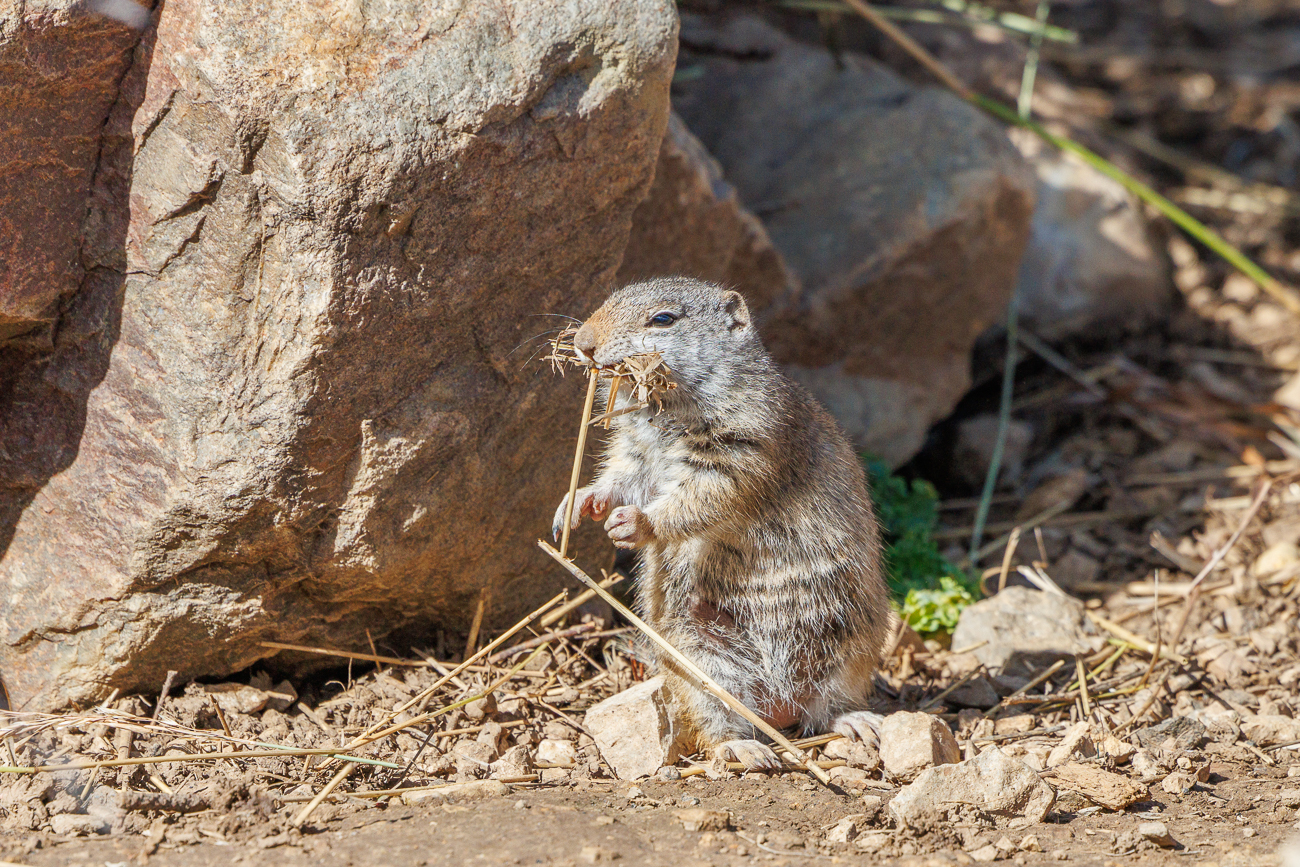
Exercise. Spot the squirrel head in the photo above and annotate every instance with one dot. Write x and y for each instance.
(699, 328)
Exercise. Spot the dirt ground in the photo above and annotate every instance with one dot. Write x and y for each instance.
(1169, 430)
(783, 814)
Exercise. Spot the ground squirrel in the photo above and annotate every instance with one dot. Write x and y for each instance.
(760, 553)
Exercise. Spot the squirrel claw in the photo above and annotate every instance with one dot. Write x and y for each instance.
(859, 725)
(628, 527)
(754, 755)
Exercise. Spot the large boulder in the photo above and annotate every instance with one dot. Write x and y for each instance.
(901, 210)
(60, 67)
(287, 402)
(693, 223)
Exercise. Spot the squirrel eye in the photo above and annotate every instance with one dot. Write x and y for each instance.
(663, 319)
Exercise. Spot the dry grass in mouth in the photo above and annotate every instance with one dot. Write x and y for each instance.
(649, 376)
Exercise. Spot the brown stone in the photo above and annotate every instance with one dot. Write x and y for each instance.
(287, 402)
(901, 210)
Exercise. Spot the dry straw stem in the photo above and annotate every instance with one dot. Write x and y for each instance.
(1136, 640)
(682, 660)
(581, 599)
(592, 378)
(344, 773)
(368, 735)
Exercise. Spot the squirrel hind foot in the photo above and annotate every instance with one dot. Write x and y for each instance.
(859, 725)
(754, 755)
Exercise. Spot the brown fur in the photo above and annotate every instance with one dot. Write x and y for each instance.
(760, 553)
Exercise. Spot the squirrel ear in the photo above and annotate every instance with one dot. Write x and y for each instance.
(736, 310)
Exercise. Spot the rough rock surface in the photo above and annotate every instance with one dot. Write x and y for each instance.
(693, 223)
(1025, 630)
(633, 730)
(992, 783)
(892, 204)
(60, 65)
(912, 742)
(1091, 266)
(284, 404)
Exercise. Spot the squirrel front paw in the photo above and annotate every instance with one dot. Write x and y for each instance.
(628, 527)
(590, 501)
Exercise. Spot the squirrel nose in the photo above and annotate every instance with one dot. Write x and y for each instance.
(585, 340)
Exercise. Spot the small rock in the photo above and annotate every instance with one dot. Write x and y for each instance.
(597, 854)
(852, 779)
(912, 742)
(669, 772)
(848, 829)
(556, 776)
(1074, 743)
(1015, 724)
(1289, 797)
(1029, 843)
(856, 753)
(1059, 855)
(1120, 751)
(700, 819)
(1147, 764)
(1112, 791)
(635, 792)
(1024, 631)
(633, 730)
(1005, 846)
(1268, 730)
(514, 762)
(993, 782)
(479, 709)
(872, 841)
(473, 759)
(237, 698)
(977, 692)
(1248, 832)
(1186, 732)
(1276, 557)
(557, 731)
(558, 753)
(1178, 783)
(281, 696)
(79, 825)
(1157, 833)
(987, 852)
(871, 806)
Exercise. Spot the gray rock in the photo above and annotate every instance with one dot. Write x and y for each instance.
(60, 65)
(1091, 265)
(992, 782)
(286, 402)
(1026, 630)
(692, 222)
(892, 204)
(1186, 732)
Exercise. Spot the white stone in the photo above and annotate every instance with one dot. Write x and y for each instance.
(633, 730)
(992, 781)
(562, 753)
(1075, 742)
(912, 742)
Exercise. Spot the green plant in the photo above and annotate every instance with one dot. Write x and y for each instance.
(929, 611)
(932, 590)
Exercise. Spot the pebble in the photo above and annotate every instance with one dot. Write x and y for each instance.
(992, 781)
(1029, 843)
(1157, 833)
(912, 742)
(699, 819)
(633, 730)
(1248, 832)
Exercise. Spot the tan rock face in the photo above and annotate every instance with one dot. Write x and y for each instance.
(912, 742)
(902, 211)
(287, 403)
(633, 730)
(60, 65)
